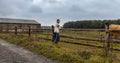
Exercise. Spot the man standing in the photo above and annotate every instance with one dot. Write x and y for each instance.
(56, 32)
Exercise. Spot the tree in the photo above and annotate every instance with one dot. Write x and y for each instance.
(94, 24)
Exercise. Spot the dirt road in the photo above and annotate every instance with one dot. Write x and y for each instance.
(10, 53)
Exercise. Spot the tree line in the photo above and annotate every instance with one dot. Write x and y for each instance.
(93, 24)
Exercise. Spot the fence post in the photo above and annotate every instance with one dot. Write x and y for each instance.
(107, 40)
(15, 30)
(0, 28)
(29, 32)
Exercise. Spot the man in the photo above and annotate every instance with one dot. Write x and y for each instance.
(56, 32)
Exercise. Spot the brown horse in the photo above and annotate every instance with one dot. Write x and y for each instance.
(116, 34)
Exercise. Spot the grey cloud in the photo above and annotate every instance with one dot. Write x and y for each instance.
(35, 9)
(50, 10)
(14, 7)
(50, 1)
(75, 8)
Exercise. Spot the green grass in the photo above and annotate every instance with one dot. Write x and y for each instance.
(85, 34)
(63, 52)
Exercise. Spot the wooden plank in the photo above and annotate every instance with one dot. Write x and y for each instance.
(76, 43)
(86, 30)
(89, 39)
(79, 29)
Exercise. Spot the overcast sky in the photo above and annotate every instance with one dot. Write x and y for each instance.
(47, 11)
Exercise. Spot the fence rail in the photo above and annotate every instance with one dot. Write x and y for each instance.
(85, 29)
(76, 43)
(88, 39)
(79, 29)
(107, 40)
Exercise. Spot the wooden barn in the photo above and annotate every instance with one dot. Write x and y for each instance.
(21, 25)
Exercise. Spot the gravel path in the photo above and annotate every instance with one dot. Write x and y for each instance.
(10, 53)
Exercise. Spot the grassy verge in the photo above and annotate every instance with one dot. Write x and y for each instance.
(63, 52)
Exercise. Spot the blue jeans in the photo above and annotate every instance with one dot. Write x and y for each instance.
(56, 37)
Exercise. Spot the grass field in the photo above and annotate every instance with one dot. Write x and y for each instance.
(65, 52)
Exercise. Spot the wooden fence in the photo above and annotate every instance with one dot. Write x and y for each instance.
(107, 40)
(16, 30)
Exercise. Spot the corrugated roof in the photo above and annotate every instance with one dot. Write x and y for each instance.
(10, 20)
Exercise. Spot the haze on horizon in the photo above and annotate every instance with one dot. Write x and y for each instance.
(47, 11)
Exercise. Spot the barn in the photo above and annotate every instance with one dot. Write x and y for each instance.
(21, 25)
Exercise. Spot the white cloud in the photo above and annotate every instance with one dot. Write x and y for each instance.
(49, 10)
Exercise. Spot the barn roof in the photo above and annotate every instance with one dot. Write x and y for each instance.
(10, 20)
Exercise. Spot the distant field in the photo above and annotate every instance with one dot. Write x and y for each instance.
(66, 52)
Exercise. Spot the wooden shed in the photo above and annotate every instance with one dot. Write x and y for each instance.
(22, 25)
